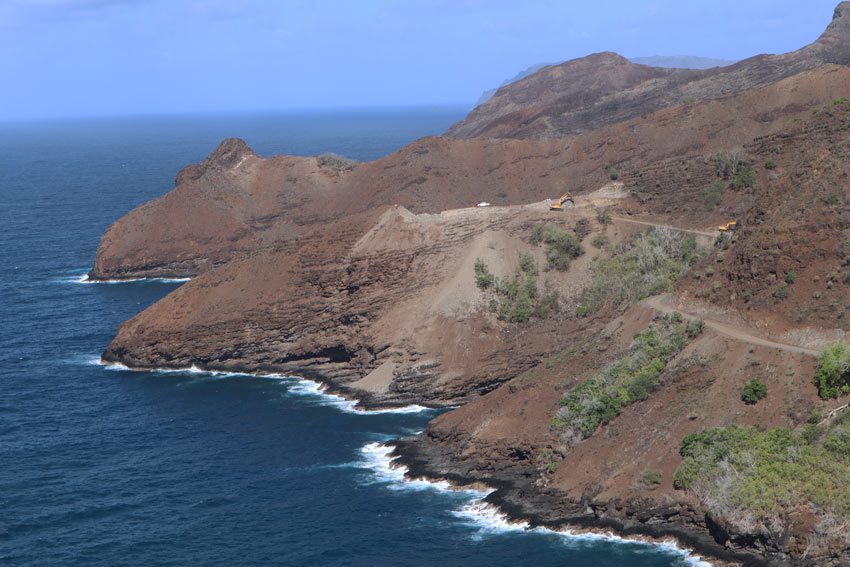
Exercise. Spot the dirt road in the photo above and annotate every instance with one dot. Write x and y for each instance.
(663, 303)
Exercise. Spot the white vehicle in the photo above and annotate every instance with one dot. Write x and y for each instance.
(483, 204)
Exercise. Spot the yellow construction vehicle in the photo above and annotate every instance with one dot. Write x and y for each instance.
(729, 226)
(565, 199)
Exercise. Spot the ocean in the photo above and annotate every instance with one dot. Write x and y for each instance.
(102, 466)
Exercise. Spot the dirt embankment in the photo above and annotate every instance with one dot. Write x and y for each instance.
(393, 316)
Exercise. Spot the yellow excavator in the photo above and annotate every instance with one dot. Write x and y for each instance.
(559, 204)
(729, 226)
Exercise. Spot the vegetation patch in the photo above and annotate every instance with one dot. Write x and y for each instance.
(652, 262)
(334, 161)
(753, 391)
(714, 194)
(751, 478)
(737, 169)
(630, 378)
(832, 375)
(599, 241)
(562, 247)
(517, 298)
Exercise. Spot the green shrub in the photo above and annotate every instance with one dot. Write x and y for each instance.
(833, 199)
(483, 278)
(335, 161)
(649, 264)
(745, 178)
(832, 374)
(770, 164)
(781, 292)
(838, 441)
(791, 277)
(527, 264)
(561, 246)
(599, 241)
(714, 194)
(603, 217)
(613, 174)
(753, 391)
(517, 297)
(694, 327)
(651, 478)
(630, 378)
(749, 475)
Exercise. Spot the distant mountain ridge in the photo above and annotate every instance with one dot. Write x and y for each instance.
(605, 88)
(665, 61)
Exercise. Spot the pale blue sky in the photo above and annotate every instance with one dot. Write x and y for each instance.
(106, 57)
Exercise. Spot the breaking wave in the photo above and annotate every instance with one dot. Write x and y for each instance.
(83, 278)
(487, 518)
(295, 385)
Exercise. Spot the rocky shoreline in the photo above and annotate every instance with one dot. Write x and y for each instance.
(513, 491)
(515, 495)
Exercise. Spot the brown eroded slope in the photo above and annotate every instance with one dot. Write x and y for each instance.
(605, 88)
(393, 316)
(236, 202)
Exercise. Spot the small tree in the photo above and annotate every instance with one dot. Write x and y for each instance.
(753, 391)
(832, 375)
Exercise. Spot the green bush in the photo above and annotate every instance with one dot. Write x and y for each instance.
(745, 178)
(527, 264)
(517, 297)
(770, 164)
(791, 277)
(561, 246)
(613, 174)
(753, 391)
(483, 278)
(714, 194)
(743, 473)
(781, 292)
(335, 161)
(651, 477)
(649, 264)
(603, 217)
(599, 241)
(694, 327)
(832, 374)
(630, 378)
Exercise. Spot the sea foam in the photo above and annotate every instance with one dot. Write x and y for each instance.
(84, 279)
(488, 518)
(295, 385)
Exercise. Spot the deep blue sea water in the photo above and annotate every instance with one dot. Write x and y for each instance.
(107, 467)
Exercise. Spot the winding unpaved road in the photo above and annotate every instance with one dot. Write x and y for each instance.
(663, 303)
(711, 234)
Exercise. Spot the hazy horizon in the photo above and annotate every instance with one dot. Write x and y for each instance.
(67, 59)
